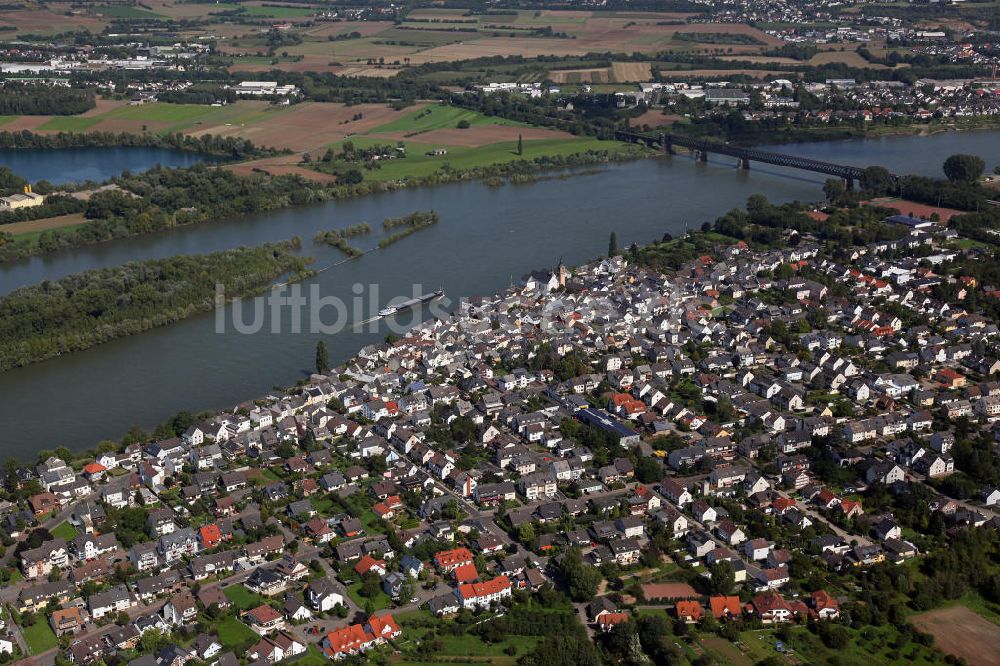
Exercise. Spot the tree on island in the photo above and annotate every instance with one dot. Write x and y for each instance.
(322, 358)
(612, 244)
(964, 168)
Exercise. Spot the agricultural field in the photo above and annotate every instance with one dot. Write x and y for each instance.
(961, 632)
(471, 139)
(383, 48)
(301, 127)
(618, 72)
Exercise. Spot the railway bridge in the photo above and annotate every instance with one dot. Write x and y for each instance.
(700, 148)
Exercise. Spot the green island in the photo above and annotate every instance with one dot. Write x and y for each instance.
(338, 238)
(411, 224)
(86, 309)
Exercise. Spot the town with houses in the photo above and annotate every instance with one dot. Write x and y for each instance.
(719, 434)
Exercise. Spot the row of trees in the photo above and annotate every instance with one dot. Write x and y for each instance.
(41, 100)
(208, 144)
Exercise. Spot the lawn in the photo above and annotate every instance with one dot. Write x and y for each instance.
(233, 633)
(311, 657)
(441, 117)
(64, 531)
(381, 601)
(40, 637)
(243, 598)
(418, 164)
(321, 503)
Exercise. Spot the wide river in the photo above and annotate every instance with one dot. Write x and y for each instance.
(486, 237)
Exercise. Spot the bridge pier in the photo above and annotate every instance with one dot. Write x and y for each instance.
(744, 163)
(667, 143)
(849, 183)
(702, 155)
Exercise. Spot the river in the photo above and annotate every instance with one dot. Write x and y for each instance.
(486, 237)
(79, 165)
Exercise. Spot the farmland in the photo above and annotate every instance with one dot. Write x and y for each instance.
(959, 631)
(469, 138)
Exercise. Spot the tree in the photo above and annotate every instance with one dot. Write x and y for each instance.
(526, 533)
(581, 580)
(834, 190)
(322, 358)
(876, 180)
(723, 577)
(612, 244)
(520, 145)
(964, 168)
(563, 650)
(784, 271)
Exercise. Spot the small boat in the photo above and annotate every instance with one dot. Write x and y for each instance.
(385, 312)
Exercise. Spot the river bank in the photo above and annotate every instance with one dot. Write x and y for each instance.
(486, 238)
(54, 237)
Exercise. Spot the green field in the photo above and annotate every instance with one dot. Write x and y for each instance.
(278, 12)
(127, 12)
(65, 531)
(70, 123)
(40, 637)
(418, 164)
(177, 117)
(441, 117)
(243, 598)
(233, 633)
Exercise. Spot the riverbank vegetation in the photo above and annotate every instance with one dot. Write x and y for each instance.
(162, 198)
(90, 308)
(410, 224)
(207, 144)
(338, 238)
